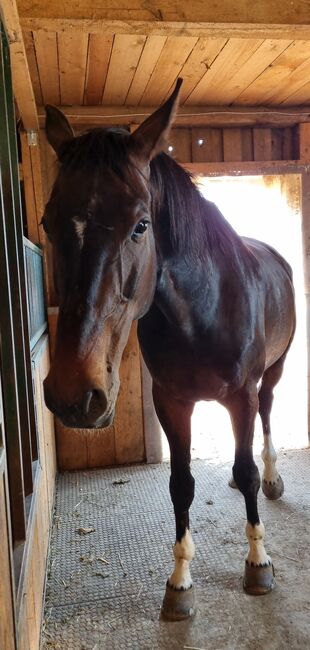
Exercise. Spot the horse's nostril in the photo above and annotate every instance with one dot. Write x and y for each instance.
(95, 403)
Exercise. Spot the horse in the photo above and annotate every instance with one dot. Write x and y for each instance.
(133, 239)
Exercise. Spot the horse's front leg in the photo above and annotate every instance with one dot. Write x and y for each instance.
(243, 407)
(175, 418)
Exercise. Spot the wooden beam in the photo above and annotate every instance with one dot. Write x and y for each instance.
(248, 168)
(264, 19)
(22, 85)
(164, 28)
(85, 116)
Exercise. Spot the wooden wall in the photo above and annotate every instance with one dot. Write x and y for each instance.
(22, 587)
(233, 144)
(6, 588)
(123, 441)
(30, 596)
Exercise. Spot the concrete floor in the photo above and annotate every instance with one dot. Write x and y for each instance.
(110, 556)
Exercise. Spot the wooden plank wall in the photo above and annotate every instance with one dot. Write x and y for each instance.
(233, 144)
(119, 444)
(30, 599)
(6, 596)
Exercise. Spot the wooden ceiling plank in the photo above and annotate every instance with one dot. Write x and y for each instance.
(262, 90)
(167, 69)
(22, 84)
(124, 60)
(33, 66)
(263, 57)
(206, 116)
(149, 57)
(72, 50)
(229, 61)
(201, 59)
(293, 83)
(47, 58)
(300, 97)
(99, 52)
(226, 11)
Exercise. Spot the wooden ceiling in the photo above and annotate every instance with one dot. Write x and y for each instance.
(139, 70)
(234, 54)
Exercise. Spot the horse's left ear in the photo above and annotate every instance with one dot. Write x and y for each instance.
(150, 137)
(58, 129)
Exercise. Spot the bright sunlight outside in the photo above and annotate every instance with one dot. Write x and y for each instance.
(265, 208)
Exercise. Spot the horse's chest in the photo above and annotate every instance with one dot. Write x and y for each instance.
(188, 368)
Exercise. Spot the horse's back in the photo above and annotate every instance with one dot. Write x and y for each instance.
(263, 252)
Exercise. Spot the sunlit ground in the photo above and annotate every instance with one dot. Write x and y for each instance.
(258, 210)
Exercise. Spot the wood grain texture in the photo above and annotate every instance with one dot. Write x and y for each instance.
(23, 90)
(167, 69)
(207, 145)
(232, 145)
(211, 88)
(72, 50)
(149, 57)
(121, 443)
(33, 66)
(46, 50)
(262, 144)
(180, 141)
(99, 52)
(129, 435)
(199, 61)
(6, 602)
(31, 591)
(202, 116)
(31, 211)
(265, 88)
(287, 12)
(124, 60)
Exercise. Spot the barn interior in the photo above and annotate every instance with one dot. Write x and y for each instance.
(243, 124)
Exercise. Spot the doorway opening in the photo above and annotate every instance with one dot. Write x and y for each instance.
(265, 208)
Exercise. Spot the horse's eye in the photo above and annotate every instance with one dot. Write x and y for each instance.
(140, 229)
(89, 214)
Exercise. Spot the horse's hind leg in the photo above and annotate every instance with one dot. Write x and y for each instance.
(175, 418)
(243, 407)
(272, 484)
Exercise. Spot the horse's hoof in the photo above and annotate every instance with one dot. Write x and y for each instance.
(178, 604)
(273, 489)
(232, 483)
(258, 580)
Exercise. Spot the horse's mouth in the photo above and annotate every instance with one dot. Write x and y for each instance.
(76, 421)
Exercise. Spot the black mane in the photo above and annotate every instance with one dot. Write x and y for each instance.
(197, 227)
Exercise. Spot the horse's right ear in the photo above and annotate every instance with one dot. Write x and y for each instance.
(151, 136)
(58, 129)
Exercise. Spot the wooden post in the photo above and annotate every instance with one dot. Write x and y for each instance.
(305, 212)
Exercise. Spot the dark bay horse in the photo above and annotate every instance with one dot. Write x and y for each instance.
(133, 239)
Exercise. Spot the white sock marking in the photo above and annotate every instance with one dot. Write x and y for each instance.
(269, 457)
(183, 552)
(257, 554)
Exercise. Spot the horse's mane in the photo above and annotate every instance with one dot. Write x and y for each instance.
(197, 227)
(188, 223)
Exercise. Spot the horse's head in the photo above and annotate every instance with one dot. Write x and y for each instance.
(99, 222)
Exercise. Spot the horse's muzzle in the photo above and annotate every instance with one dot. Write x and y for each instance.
(91, 411)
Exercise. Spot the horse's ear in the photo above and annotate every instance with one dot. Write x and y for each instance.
(58, 129)
(150, 137)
